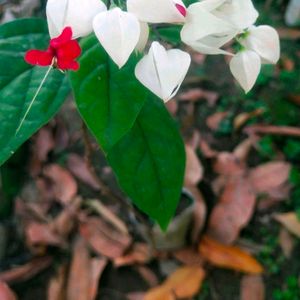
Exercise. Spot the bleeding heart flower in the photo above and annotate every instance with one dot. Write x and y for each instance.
(158, 11)
(245, 67)
(264, 40)
(77, 14)
(162, 71)
(118, 32)
(61, 53)
(210, 24)
(261, 46)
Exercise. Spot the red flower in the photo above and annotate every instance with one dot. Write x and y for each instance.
(62, 52)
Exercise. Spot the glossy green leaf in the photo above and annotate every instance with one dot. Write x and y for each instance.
(149, 162)
(108, 98)
(19, 82)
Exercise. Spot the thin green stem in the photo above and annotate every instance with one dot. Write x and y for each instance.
(34, 98)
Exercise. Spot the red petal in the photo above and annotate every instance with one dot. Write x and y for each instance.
(68, 65)
(63, 38)
(40, 58)
(68, 51)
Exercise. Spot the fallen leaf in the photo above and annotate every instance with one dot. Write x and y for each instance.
(228, 164)
(27, 271)
(252, 288)
(172, 107)
(56, 286)
(196, 94)
(267, 177)
(135, 296)
(213, 122)
(66, 219)
(289, 33)
(159, 293)
(148, 275)
(228, 257)
(65, 186)
(43, 143)
(287, 242)
(206, 149)
(242, 150)
(185, 282)
(188, 256)
(97, 266)
(6, 293)
(242, 118)
(78, 166)
(107, 214)
(104, 238)
(233, 211)
(290, 222)
(42, 234)
(199, 213)
(139, 254)
(79, 276)
(193, 169)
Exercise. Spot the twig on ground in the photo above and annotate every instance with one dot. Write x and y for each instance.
(274, 130)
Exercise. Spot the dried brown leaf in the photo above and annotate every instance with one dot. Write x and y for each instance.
(290, 222)
(252, 288)
(213, 122)
(188, 256)
(6, 293)
(65, 186)
(197, 94)
(97, 266)
(56, 286)
(65, 221)
(228, 257)
(148, 275)
(42, 234)
(78, 166)
(199, 214)
(139, 254)
(233, 211)
(287, 242)
(185, 282)
(267, 177)
(193, 169)
(104, 238)
(79, 276)
(27, 271)
(228, 164)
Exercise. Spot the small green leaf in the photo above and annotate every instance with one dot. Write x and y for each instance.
(149, 162)
(20, 81)
(109, 99)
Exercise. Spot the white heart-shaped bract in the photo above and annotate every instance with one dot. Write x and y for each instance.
(144, 35)
(264, 40)
(157, 11)
(245, 67)
(240, 13)
(118, 32)
(78, 14)
(204, 32)
(163, 71)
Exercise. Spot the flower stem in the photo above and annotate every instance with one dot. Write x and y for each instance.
(34, 98)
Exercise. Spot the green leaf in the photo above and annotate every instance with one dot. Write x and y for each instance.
(149, 162)
(19, 82)
(109, 99)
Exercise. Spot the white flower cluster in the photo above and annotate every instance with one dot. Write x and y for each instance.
(206, 27)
